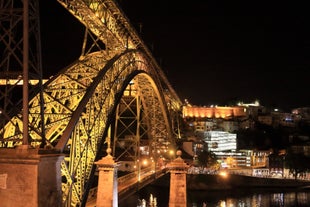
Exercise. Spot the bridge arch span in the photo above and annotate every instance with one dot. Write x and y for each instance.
(84, 108)
(116, 97)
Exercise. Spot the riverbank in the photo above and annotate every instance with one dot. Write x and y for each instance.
(232, 181)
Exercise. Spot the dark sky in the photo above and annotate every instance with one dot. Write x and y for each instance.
(213, 52)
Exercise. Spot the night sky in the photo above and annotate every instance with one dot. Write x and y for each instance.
(213, 52)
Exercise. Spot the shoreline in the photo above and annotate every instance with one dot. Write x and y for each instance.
(232, 181)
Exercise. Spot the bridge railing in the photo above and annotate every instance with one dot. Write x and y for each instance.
(126, 178)
(134, 176)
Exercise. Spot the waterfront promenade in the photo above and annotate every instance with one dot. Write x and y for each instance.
(232, 180)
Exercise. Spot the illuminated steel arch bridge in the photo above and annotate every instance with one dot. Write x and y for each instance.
(115, 94)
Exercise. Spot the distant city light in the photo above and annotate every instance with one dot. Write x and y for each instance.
(224, 174)
(256, 103)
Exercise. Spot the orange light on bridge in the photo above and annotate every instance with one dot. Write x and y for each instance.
(145, 162)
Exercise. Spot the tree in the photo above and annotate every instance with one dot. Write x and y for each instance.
(207, 158)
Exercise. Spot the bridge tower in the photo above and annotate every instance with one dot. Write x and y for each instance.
(31, 174)
(20, 56)
(178, 170)
(107, 195)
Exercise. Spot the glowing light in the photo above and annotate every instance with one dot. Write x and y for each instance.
(214, 111)
(145, 162)
(224, 174)
(223, 204)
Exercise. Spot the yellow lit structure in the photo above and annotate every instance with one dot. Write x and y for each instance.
(19, 82)
(116, 95)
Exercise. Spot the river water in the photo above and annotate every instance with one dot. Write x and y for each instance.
(155, 196)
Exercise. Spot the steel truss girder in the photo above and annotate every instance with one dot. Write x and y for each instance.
(108, 22)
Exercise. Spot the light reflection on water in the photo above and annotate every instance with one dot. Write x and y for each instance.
(159, 197)
(151, 202)
(254, 199)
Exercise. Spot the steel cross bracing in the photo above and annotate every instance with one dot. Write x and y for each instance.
(82, 103)
(139, 116)
(11, 54)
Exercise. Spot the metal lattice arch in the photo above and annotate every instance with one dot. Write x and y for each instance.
(114, 93)
(80, 106)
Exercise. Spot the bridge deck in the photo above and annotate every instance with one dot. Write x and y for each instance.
(129, 184)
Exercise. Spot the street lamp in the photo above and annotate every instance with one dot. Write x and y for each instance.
(139, 170)
(153, 164)
(144, 162)
(171, 154)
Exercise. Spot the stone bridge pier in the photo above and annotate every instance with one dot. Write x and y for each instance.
(30, 177)
(107, 194)
(178, 170)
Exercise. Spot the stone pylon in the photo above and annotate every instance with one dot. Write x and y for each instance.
(178, 170)
(30, 177)
(107, 194)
